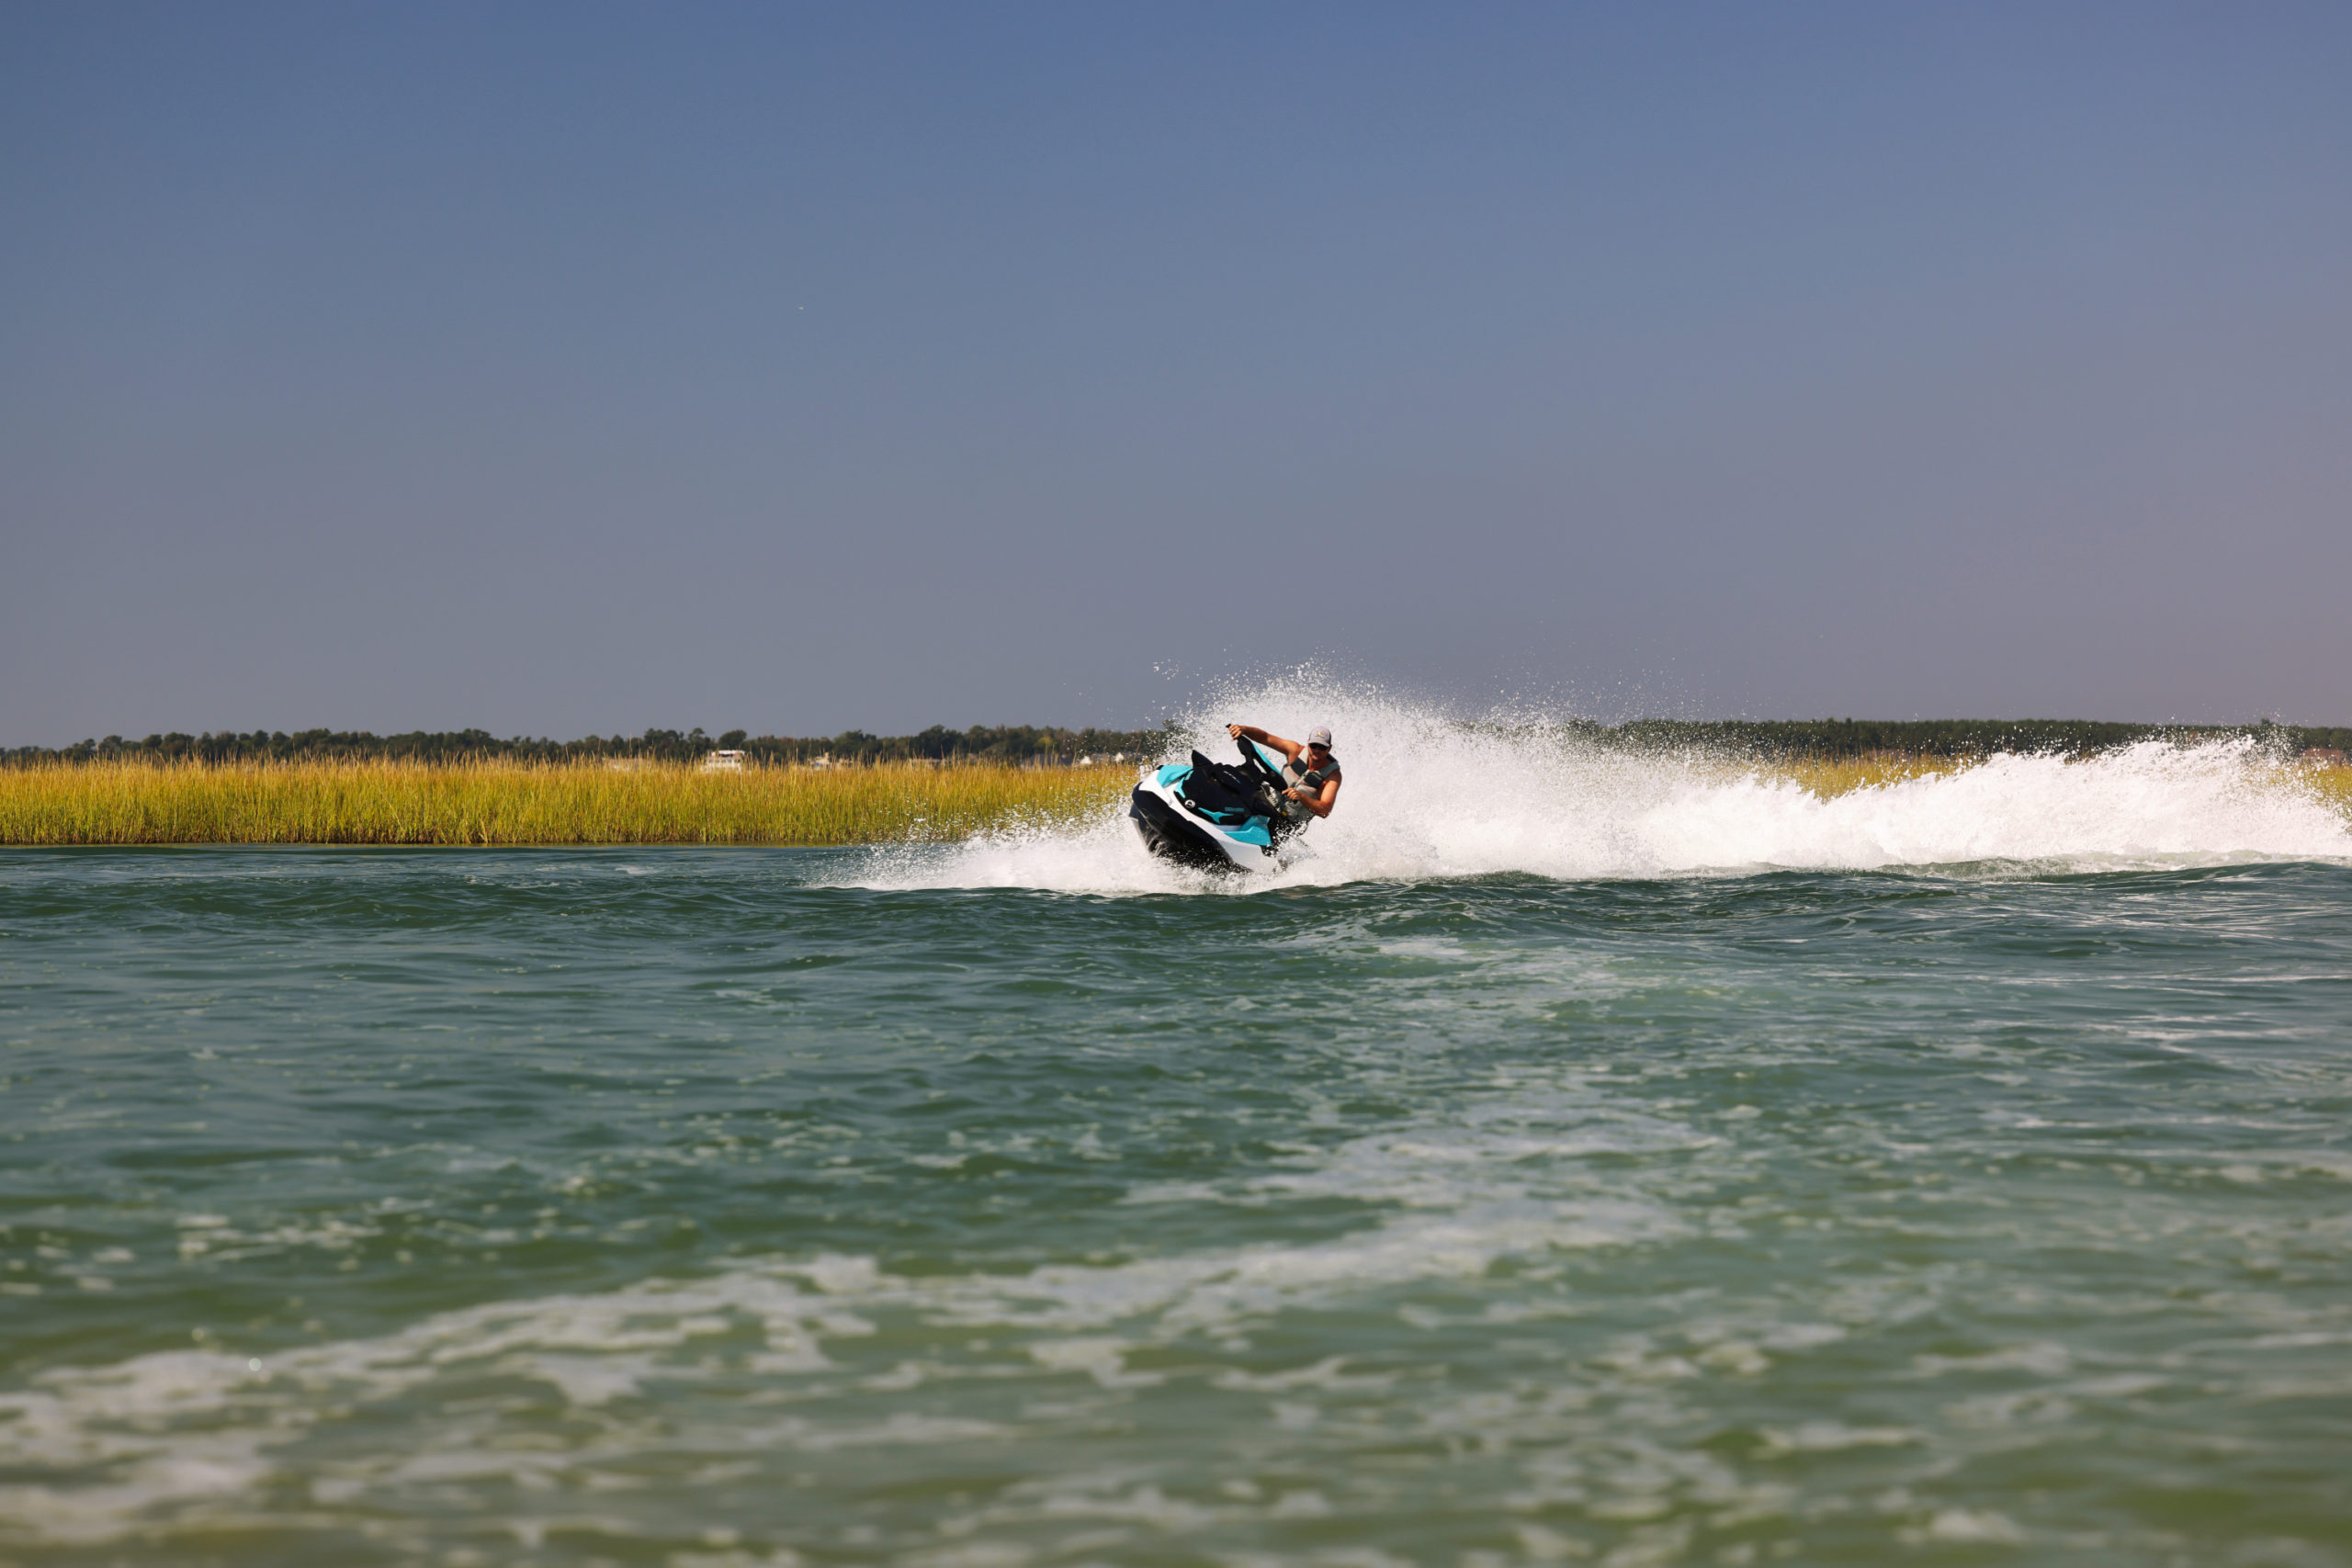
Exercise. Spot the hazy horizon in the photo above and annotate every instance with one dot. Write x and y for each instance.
(571, 370)
(736, 734)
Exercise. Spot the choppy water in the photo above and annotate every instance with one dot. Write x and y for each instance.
(1548, 1179)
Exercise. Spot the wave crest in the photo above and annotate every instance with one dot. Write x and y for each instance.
(1428, 795)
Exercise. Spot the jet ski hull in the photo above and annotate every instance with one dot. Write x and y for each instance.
(1172, 835)
(1194, 817)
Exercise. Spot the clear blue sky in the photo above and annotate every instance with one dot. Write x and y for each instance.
(559, 368)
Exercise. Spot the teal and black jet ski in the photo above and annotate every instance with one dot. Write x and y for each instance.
(1216, 816)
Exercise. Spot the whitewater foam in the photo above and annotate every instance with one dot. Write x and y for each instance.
(1431, 796)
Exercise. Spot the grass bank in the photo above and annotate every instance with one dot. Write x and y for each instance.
(524, 802)
(508, 802)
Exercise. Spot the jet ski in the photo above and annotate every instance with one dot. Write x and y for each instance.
(1215, 816)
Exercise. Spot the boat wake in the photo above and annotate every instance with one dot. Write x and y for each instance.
(1429, 795)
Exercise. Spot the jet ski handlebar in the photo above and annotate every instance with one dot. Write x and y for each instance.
(1259, 764)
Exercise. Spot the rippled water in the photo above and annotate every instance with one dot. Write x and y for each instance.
(761, 1207)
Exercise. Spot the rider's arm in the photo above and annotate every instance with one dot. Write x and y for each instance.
(1319, 803)
(1289, 748)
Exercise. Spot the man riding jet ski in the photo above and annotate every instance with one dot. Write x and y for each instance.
(1217, 816)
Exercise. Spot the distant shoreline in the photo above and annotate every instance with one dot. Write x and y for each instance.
(528, 802)
(1829, 739)
(501, 802)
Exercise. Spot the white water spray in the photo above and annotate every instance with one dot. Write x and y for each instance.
(1427, 796)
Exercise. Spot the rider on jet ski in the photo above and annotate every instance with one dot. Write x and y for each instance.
(1312, 774)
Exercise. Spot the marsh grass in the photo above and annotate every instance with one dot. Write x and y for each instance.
(591, 803)
(522, 803)
(1829, 777)
(2333, 784)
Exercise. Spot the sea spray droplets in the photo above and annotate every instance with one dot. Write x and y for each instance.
(1429, 796)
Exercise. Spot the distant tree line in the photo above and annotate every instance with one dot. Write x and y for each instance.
(1024, 744)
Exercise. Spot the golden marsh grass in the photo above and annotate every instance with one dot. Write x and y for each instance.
(594, 803)
(521, 803)
(1833, 776)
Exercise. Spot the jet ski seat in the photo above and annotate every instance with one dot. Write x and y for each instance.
(1223, 793)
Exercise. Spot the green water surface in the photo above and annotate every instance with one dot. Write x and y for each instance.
(706, 1209)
